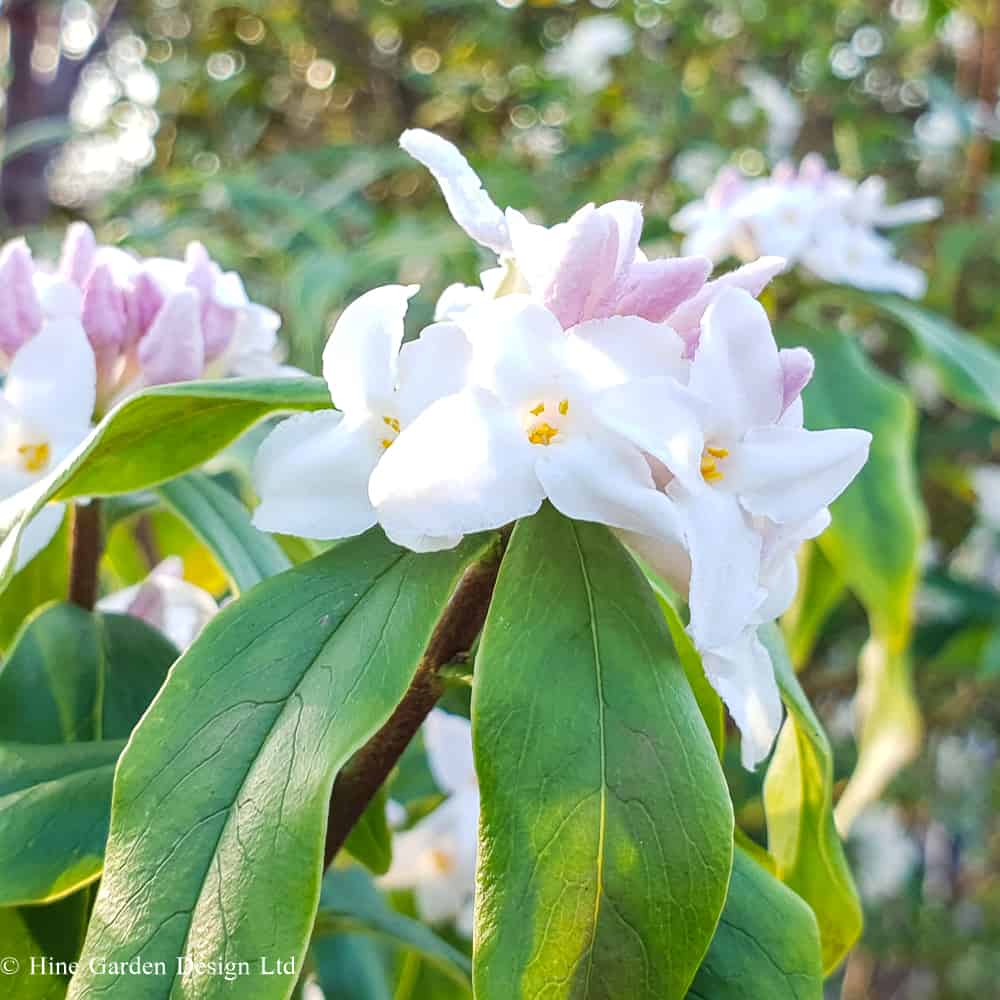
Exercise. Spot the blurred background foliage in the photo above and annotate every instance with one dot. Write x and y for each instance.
(267, 130)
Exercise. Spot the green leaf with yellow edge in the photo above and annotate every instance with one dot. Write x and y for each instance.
(606, 830)
(766, 946)
(968, 369)
(820, 591)
(874, 544)
(21, 979)
(152, 437)
(798, 801)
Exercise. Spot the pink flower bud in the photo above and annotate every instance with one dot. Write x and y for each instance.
(21, 315)
(144, 301)
(78, 251)
(173, 350)
(105, 317)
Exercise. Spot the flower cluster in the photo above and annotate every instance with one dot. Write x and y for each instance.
(810, 215)
(436, 857)
(148, 321)
(101, 325)
(630, 392)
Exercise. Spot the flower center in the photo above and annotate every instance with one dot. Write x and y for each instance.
(392, 433)
(544, 425)
(34, 457)
(442, 863)
(710, 459)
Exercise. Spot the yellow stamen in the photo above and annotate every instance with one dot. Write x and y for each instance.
(34, 457)
(386, 442)
(564, 407)
(718, 452)
(709, 472)
(391, 422)
(542, 433)
(537, 410)
(441, 862)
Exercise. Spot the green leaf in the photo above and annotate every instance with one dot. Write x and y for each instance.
(223, 524)
(370, 840)
(350, 902)
(21, 980)
(798, 802)
(351, 967)
(820, 591)
(606, 831)
(766, 946)
(874, 544)
(73, 676)
(44, 579)
(968, 368)
(54, 807)
(154, 436)
(221, 796)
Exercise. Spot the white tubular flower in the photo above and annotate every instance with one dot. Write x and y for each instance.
(45, 411)
(312, 472)
(525, 430)
(165, 600)
(437, 857)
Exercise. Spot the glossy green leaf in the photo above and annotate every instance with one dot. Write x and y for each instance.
(351, 967)
(606, 828)
(221, 797)
(370, 840)
(350, 902)
(153, 436)
(75, 677)
(798, 801)
(874, 544)
(820, 591)
(766, 946)
(19, 978)
(968, 369)
(54, 806)
(223, 524)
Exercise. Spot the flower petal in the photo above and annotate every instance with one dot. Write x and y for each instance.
(470, 206)
(725, 554)
(78, 251)
(463, 465)
(21, 315)
(311, 474)
(753, 278)
(621, 348)
(788, 474)
(736, 366)
(359, 360)
(448, 742)
(626, 217)
(654, 289)
(743, 676)
(38, 532)
(432, 367)
(797, 366)
(105, 317)
(173, 349)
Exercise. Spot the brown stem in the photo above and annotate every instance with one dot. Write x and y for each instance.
(365, 772)
(85, 554)
(977, 162)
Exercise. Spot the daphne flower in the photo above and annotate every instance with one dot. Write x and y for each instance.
(312, 472)
(809, 215)
(437, 857)
(589, 267)
(525, 430)
(165, 600)
(585, 53)
(45, 412)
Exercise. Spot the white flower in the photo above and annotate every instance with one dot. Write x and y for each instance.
(165, 600)
(784, 114)
(585, 53)
(45, 412)
(525, 429)
(312, 471)
(744, 472)
(437, 856)
(884, 852)
(809, 215)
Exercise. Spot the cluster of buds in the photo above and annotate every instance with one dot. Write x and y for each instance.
(625, 391)
(809, 215)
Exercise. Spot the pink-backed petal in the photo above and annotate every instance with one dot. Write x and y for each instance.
(218, 324)
(653, 289)
(78, 251)
(201, 269)
(105, 315)
(797, 367)
(143, 302)
(174, 350)
(753, 278)
(627, 218)
(21, 315)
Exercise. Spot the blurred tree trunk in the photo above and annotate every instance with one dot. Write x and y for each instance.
(977, 164)
(33, 97)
